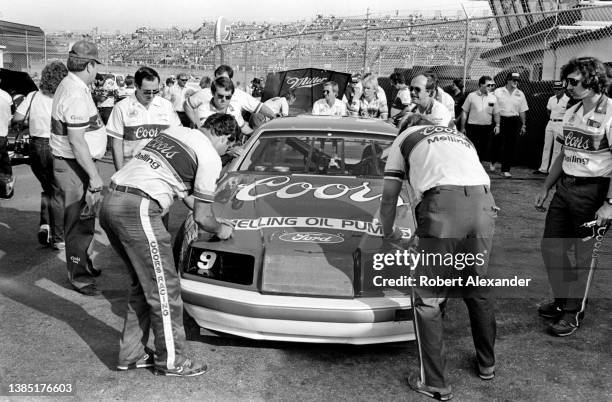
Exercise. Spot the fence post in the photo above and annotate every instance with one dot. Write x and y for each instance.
(299, 49)
(246, 58)
(27, 52)
(365, 48)
(465, 46)
(45, 47)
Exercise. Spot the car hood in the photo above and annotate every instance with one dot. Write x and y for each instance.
(310, 234)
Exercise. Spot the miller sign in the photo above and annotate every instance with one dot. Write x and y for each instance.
(305, 82)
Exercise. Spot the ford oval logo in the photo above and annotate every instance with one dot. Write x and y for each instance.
(311, 237)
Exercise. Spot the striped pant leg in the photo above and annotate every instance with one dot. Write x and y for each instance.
(147, 244)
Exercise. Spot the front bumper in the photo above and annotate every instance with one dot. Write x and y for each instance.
(298, 319)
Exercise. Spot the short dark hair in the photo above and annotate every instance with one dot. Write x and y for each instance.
(76, 65)
(593, 72)
(397, 78)
(129, 80)
(220, 124)
(145, 73)
(432, 80)
(332, 84)
(169, 81)
(483, 80)
(458, 83)
(289, 95)
(206, 81)
(222, 82)
(99, 77)
(52, 75)
(224, 68)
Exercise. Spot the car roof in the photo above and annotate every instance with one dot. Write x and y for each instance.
(332, 123)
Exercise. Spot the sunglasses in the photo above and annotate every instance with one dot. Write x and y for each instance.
(221, 97)
(490, 85)
(183, 79)
(150, 91)
(572, 81)
(415, 89)
(325, 91)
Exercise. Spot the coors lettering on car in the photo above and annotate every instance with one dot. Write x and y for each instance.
(283, 189)
(311, 237)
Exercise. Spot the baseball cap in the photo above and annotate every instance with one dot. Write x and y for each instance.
(513, 76)
(558, 85)
(84, 50)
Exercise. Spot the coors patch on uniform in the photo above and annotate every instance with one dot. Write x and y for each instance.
(144, 131)
(178, 156)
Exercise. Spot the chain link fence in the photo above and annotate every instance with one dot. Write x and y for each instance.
(461, 46)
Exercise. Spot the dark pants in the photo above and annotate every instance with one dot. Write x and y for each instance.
(105, 113)
(504, 144)
(453, 219)
(480, 135)
(78, 233)
(134, 228)
(185, 121)
(5, 161)
(574, 203)
(51, 210)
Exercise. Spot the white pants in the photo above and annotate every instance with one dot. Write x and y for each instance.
(552, 147)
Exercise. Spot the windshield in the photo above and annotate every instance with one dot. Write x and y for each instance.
(323, 154)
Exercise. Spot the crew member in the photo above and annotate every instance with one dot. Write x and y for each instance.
(477, 115)
(329, 105)
(423, 91)
(582, 173)
(178, 163)
(139, 117)
(557, 104)
(455, 214)
(512, 107)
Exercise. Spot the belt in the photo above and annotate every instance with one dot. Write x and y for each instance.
(583, 180)
(63, 159)
(130, 190)
(556, 120)
(467, 190)
(510, 117)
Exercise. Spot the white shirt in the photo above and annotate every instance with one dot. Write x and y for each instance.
(178, 162)
(278, 105)
(447, 101)
(5, 112)
(208, 109)
(557, 107)
(177, 96)
(109, 85)
(321, 108)
(436, 156)
(136, 124)
(437, 113)
(587, 139)
(74, 109)
(40, 113)
(510, 105)
(479, 108)
(240, 99)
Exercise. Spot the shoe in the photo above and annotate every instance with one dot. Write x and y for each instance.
(486, 373)
(550, 310)
(567, 325)
(93, 271)
(506, 174)
(88, 290)
(492, 167)
(145, 361)
(44, 235)
(441, 394)
(539, 172)
(60, 245)
(186, 369)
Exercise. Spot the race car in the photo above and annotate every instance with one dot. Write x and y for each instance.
(303, 197)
